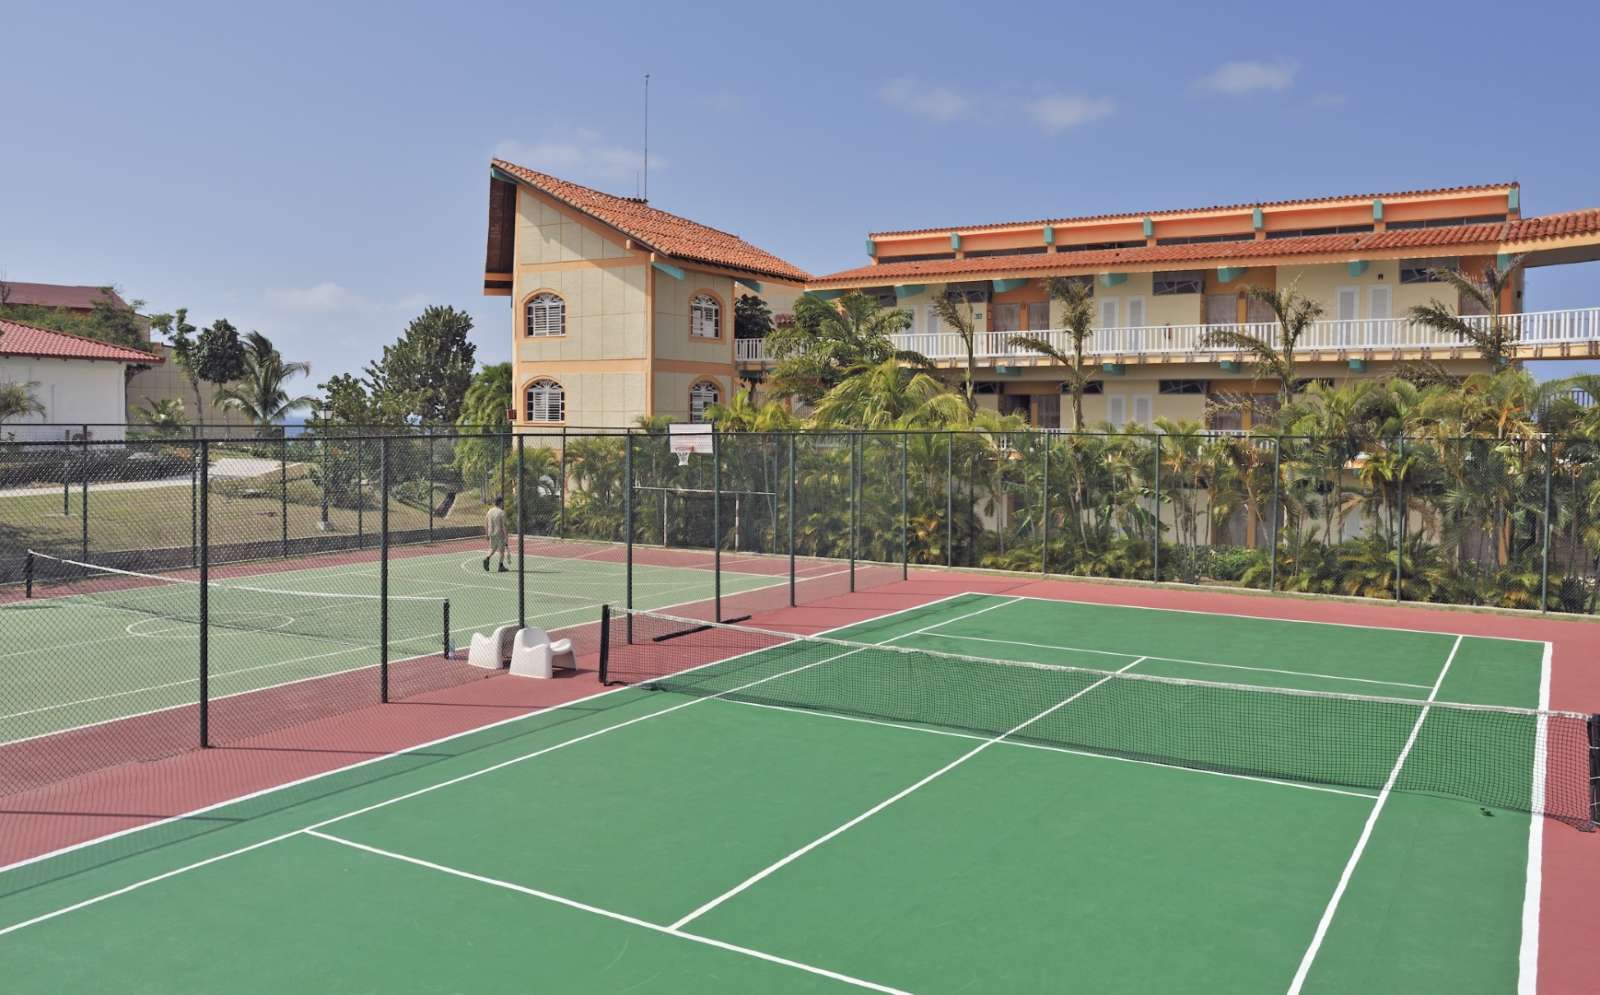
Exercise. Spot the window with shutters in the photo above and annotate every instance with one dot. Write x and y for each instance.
(546, 401)
(1183, 281)
(705, 317)
(701, 396)
(546, 314)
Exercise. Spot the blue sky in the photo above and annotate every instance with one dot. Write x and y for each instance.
(319, 172)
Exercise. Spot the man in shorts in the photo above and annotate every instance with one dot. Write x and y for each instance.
(494, 526)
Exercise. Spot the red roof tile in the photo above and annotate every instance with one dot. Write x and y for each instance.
(60, 295)
(1586, 222)
(657, 229)
(1137, 215)
(17, 339)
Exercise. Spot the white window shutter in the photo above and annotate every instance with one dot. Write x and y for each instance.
(1116, 410)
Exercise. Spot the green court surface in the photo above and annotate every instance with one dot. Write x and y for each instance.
(656, 841)
(135, 654)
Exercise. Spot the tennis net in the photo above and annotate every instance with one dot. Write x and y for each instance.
(346, 618)
(1542, 762)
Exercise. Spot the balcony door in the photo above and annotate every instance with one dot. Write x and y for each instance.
(1380, 310)
(1347, 307)
(1222, 309)
(1006, 317)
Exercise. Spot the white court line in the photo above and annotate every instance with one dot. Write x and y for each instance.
(608, 914)
(1366, 832)
(1197, 663)
(1533, 883)
(880, 806)
(1052, 749)
(372, 760)
(1266, 618)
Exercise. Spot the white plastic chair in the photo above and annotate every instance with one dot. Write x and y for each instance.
(534, 655)
(492, 651)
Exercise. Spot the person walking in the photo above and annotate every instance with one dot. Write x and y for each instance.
(494, 526)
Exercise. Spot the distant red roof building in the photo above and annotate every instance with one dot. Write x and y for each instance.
(17, 339)
(69, 298)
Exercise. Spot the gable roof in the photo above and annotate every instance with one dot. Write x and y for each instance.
(1424, 241)
(1485, 188)
(73, 298)
(17, 339)
(657, 229)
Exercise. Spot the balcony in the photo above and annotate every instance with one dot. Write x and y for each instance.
(1574, 332)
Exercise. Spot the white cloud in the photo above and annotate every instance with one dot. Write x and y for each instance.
(1239, 78)
(1058, 112)
(320, 298)
(582, 156)
(936, 103)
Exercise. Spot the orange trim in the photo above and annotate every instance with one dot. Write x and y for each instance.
(709, 369)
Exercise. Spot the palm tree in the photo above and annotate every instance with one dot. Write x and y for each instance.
(742, 414)
(164, 417)
(17, 400)
(1076, 298)
(887, 395)
(830, 339)
(1294, 314)
(260, 393)
(1496, 341)
(955, 313)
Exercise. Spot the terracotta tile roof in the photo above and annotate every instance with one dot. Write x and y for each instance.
(657, 229)
(60, 295)
(1487, 237)
(17, 339)
(1137, 215)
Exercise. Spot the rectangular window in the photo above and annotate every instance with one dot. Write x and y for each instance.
(1047, 410)
(1478, 219)
(926, 257)
(705, 318)
(1096, 246)
(1257, 310)
(1200, 239)
(1331, 230)
(1032, 250)
(1038, 316)
(1222, 309)
(1185, 281)
(1006, 317)
(1418, 270)
(1183, 387)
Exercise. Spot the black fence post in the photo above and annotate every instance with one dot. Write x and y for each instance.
(791, 521)
(905, 508)
(1544, 556)
(855, 450)
(83, 496)
(283, 487)
(1272, 551)
(430, 486)
(1044, 512)
(950, 499)
(1155, 546)
(1400, 520)
(561, 490)
(361, 474)
(627, 528)
(716, 523)
(383, 571)
(522, 537)
(204, 543)
(194, 495)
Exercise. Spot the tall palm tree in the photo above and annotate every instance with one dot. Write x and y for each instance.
(164, 417)
(955, 313)
(742, 414)
(887, 395)
(16, 400)
(260, 393)
(1294, 314)
(1076, 298)
(1496, 340)
(829, 339)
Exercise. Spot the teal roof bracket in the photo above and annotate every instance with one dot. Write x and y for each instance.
(904, 290)
(872, 248)
(1258, 220)
(1049, 234)
(825, 295)
(1149, 228)
(672, 271)
(1356, 267)
(753, 285)
(1229, 365)
(1113, 279)
(955, 241)
(1514, 199)
(1228, 274)
(1114, 369)
(1358, 366)
(1377, 210)
(1001, 286)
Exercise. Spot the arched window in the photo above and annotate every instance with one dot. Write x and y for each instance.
(701, 396)
(705, 317)
(547, 401)
(546, 315)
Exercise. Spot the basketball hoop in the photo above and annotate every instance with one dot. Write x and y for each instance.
(687, 439)
(683, 457)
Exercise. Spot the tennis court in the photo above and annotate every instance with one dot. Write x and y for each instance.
(277, 624)
(984, 793)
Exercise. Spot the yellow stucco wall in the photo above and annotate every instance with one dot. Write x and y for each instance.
(672, 339)
(547, 234)
(605, 313)
(672, 391)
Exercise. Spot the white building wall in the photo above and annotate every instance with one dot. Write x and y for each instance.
(71, 390)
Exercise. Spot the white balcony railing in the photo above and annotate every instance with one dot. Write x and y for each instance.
(1532, 328)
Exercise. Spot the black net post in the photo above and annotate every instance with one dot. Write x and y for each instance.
(27, 574)
(522, 535)
(791, 521)
(283, 490)
(905, 512)
(1272, 548)
(383, 570)
(1594, 771)
(1544, 553)
(447, 646)
(605, 641)
(716, 523)
(204, 591)
(1155, 543)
